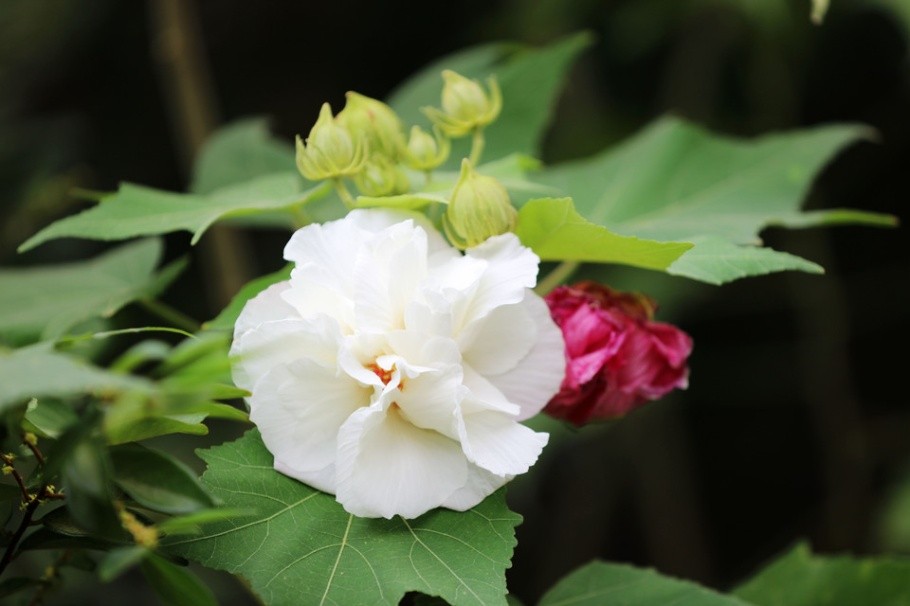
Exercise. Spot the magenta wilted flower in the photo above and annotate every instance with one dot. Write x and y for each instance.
(617, 357)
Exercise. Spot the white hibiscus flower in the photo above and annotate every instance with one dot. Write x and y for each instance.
(393, 371)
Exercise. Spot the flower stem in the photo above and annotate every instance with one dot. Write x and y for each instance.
(168, 313)
(343, 193)
(477, 143)
(556, 277)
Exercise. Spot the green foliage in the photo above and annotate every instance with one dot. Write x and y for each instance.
(894, 522)
(49, 300)
(800, 578)
(530, 79)
(302, 547)
(38, 371)
(225, 320)
(601, 583)
(175, 585)
(556, 232)
(158, 481)
(675, 181)
(135, 210)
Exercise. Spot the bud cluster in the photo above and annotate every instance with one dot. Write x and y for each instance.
(366, 144)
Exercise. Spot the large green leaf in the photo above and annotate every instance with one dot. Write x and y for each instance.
(240, 152)
(601, 583)
(135, 210)
(50, 299)
(555, 231)
(530, 79)
(38, 371)
(676, 181)
(800, 578)
(301, 547)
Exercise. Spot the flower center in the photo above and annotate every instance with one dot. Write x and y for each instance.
(384, 375)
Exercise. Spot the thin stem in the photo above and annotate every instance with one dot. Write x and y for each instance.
(477, 143)
(343, 193)
(35, 451)
(23, 526)
(8, 460)
(169, 314)
(556, 277)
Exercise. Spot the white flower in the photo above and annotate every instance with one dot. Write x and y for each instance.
(393, 371)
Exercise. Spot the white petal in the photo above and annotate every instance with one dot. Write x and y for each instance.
(511, 270)
(430, 400)
(267, 306)
(497, 342)
(388, 467)
(499, 444)
(481, 484)
(258, 350)
(299, 409)
(484, 395)
(537, 377)
(377, 219)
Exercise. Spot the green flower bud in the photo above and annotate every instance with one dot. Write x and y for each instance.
(330, 150)
(465, 105)
(425, 151)
(376, 122)
(479, 209)
(380, 177)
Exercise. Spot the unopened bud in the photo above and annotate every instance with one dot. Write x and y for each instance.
(465, 105)
(425, 151)
(375, 122)
(330, 151)
(479, 209)
(380, 177)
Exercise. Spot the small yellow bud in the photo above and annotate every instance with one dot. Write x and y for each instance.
(425, 151)
(30, 438)
(330, 151)
(7, 469)
(479, 209)
(374, 121)
(466, 107)
(381, 178)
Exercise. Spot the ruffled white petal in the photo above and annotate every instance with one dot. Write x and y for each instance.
(479, 485)
(537, 377)
(499, 341)
(267, 306)
(387, 466)
(495, 442)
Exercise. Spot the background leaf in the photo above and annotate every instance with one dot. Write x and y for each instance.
(37, 371)
(228, 316)
(600, 583)
(135, 210)
(530, 79)
(158, 481)
(302, 547)
(48, 300)
(676, 181)
(800, 578)
(176, 586)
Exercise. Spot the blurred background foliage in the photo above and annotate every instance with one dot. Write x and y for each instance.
(796, 423)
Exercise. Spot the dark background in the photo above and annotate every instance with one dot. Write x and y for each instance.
(796, 424)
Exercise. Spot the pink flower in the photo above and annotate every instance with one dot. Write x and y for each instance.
(617, 358)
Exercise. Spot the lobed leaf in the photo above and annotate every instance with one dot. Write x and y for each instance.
(601, 583)
(800, 578)
(48, 300)
(677, 181)
(300, 546)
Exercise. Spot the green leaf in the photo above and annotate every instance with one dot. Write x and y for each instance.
(715, 261)
(302, 547)
(117, 561)
(239, 152)
(800, 578)
(193, 523)
(601, 583)
(38, 371)
(14, 585)
(51, 299)
(86, 477)
(894, 521)
(48, 418)
(135, 210)
(676, 181)
(158, 481)
(530, 81)
(556, 232)
(228, 316)
(174, 585)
